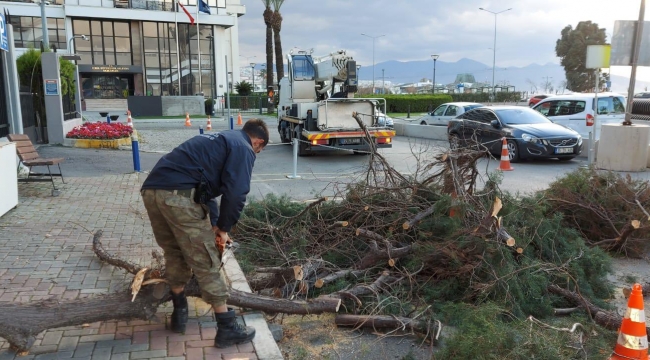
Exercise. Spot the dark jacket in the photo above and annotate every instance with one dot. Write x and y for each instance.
(224, 159)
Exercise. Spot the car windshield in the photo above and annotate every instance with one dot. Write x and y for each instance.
(521, 116)
(470, 107)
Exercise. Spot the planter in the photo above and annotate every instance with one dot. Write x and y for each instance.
(103, 114)
(97, 143)
(114, 117)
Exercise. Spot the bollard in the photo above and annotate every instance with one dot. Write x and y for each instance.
(136, 151)
(295, 160)
(108, 119)
(232, 123)
(200, 129)
(260, 106)
(408, 114)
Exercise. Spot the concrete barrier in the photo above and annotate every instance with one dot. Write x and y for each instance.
(421, 131)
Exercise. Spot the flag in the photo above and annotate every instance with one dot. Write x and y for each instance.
(187, 13)
(203, 7)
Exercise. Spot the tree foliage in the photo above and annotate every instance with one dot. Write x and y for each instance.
(244, 88)
(571, 48)
(30, 75)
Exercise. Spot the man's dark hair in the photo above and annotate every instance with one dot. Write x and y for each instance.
(256, 128)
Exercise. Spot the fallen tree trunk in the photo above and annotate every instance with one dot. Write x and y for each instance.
(602, 317)
(381, 321)
(21, 323)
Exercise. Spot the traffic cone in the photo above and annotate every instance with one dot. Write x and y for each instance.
(209, 126)
(505, 158)
(129, 121)
(453, 211)
(632, 337)
(239, 121)
(187, 120)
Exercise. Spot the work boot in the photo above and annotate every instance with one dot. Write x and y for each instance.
(179, 316)
(229, 331)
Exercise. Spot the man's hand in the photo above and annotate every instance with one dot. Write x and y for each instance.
(221, 239)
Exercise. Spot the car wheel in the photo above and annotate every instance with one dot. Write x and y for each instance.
(513, 151)
(423, 123)
(566, 158)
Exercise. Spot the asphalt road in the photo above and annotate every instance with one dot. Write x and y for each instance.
(320, 175)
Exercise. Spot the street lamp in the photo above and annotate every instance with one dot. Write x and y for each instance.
(433, 86)
(213, 88)
(253, 72)
(82, 37)
(494, 49)
(373, 58)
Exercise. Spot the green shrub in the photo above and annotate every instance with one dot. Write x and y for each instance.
(412, 102)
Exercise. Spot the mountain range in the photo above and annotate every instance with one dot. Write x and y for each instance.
(529, 78)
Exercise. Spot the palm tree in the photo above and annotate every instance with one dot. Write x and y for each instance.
(277, 26)
(244, 89)
(268, 19)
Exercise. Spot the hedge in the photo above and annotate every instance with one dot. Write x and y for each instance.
(412, 102)
(501, 96)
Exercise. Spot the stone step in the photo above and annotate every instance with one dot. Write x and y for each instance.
(106, 104)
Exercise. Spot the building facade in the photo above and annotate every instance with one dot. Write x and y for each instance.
(137, 47)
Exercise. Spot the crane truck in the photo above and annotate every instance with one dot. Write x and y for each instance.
(316, 103)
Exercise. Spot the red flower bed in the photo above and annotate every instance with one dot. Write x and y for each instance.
(100, 130)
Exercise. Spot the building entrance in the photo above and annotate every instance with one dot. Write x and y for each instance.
(118, 86)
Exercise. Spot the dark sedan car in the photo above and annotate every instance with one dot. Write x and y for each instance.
(529, 134)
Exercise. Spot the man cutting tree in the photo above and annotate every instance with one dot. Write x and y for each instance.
(179, 194)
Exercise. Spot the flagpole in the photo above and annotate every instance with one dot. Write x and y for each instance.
(198, 45)
(178, 50)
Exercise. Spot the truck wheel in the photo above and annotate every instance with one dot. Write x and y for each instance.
(285, 135)
(302, 144)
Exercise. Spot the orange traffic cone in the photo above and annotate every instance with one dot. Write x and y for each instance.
(129, 121)
(453, 211)
(239, 121)
(209, 126)
(632, 337)
(187, 120)
(505, 158)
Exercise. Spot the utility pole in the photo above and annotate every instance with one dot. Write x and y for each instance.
(383, 86)
(46, 34)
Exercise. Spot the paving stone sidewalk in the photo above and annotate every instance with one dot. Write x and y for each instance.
(46, 253)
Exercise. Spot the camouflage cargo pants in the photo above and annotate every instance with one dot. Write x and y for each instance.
(183, 231)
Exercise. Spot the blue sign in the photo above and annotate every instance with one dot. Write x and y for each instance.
(52, 87)
(4, 43)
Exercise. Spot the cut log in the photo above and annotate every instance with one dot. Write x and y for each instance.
(603, 318)
(378, 321)
(418, 217)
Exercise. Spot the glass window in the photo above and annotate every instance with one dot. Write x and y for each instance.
(122, 29)
(451, 111)
(123, 58)
(86, 57)
(122, 44)
(109, 44)
(108, 28)
(619, 105)
(518, 116)
(109, 58)
(440, 110)
(604, 105)
(96, 28)
(81, 27)
(98, 57)
(26, 21)
(51, 23)
(149, 29)
(150, 44)
(303, 69)
(28, 32)
(97, 43)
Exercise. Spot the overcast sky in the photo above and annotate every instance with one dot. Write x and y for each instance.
(416, 29)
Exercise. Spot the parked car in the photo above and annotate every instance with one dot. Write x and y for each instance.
(642, 95)
(529, 134)
(574, 110)
(445, 112)
(537, 98)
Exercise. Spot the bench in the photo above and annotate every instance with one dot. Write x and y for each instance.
(29, 157)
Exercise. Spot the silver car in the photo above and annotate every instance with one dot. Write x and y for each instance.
(445, 112)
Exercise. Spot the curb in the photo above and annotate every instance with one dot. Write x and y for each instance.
(264, 343)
